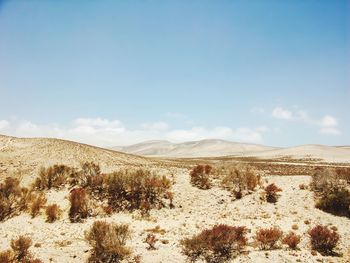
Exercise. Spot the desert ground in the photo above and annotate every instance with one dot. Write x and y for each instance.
(194, 209)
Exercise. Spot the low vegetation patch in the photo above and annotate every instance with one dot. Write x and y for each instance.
(53, 177)
(13, 198)
(323, 239)
(53, 213)
(271, 193)
(201, 176)
(79, 205)
(291, 240)
(220, 243)
(20, 252)
(108, 241)
(267, 238)
(38, 201)
(240, 181)
(136, 189)
(332, 190)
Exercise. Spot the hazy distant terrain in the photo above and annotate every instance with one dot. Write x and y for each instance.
(215, 148)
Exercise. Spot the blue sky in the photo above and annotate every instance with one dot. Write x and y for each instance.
(120, 72)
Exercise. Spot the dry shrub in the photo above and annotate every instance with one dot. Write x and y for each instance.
(79, 208)
(291, 240)
(52, 177)
(323, 239)
(151, 241)
(215, 245)
(170, 195)
(240, 181)
(20, 252)
(21, 247)
(271, 193)
(267, 238)
(11, 198)
(136, 189)
(6, 256)
(86, 177)
(343, 173)
(37, 202)
(200, 176)
(332, 190)
(108, 242)
(52, 213)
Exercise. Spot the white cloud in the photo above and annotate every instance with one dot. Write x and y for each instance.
(281, 113)
(200, 133)
(330, 131)
(4, 124)
(328, 121)
(159, 126)
(104, 132)
(97, 122)
(327, 124)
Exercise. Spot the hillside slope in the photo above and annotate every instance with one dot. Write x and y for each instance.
(27, 155)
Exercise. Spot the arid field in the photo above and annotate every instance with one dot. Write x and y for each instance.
(166, 202)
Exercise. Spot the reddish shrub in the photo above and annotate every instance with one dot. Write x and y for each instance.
(216, 244)
(291, 240)
(323, 239)
(79, 205)
(200, 176)
(271, 193)
(267, 238)
(52, 213)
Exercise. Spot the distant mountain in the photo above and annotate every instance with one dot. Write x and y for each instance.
(217, 148)
(203, 148)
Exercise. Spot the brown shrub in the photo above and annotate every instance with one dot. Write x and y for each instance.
(200, 176)
(343, 173)
(21, 247)
(52, 177)
(323, 239)
(79, 205)
(6, 256)
(170, 196)
(271, 193)
(87, 175)
(10, 198)
(240, 181)
(108, 242)
(215, 245)
(291, 240)
(52, 213)
(19, 253)
(151, 241)
(332, 191)
(36, 204)
(267, 238)
(136, 189)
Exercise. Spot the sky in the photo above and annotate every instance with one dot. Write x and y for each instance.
(114, 73)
